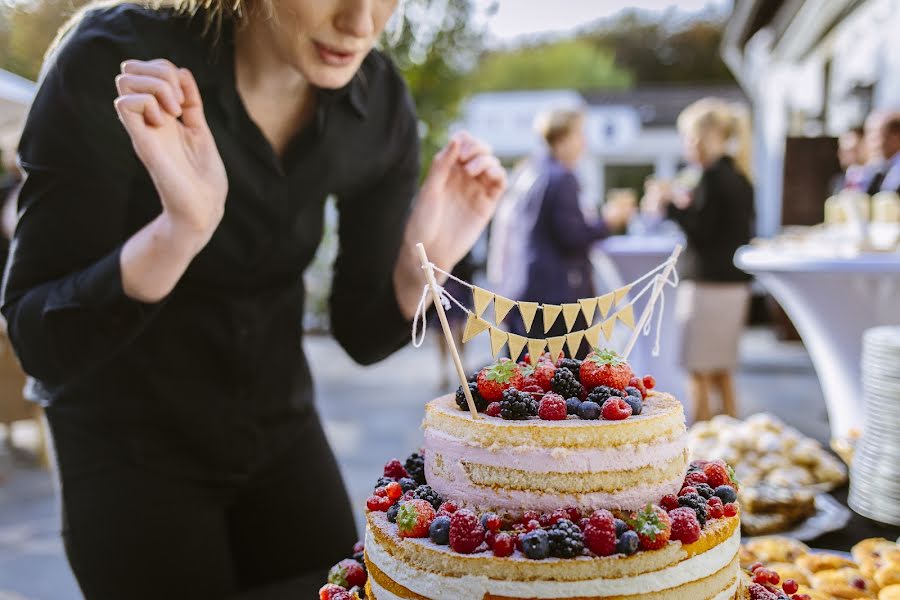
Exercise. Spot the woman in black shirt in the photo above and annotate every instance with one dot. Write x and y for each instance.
(717, 216)
(154, 287)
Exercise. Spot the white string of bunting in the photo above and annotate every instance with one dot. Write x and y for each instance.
(609, 306)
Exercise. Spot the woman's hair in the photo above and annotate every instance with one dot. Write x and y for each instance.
(556, 124)
(215, 12)
(729, 120)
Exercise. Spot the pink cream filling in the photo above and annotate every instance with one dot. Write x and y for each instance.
(554, 460)
(455, 484)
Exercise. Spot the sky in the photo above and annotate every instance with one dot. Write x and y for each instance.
(517, 18)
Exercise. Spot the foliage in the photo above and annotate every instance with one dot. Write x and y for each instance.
(567, 64)
(435, 46)
(654, 50)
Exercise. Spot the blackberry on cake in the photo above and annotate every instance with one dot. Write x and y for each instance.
(427, 493)
(517, 406)
(415, 466)
(566, 539)
(602, 393)
(383, 481)
(697, 504)
(704, 490)
(572, 364)
(566, 384)
(480, 403)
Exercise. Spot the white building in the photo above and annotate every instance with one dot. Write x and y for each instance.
(631, 133)
(812, 70)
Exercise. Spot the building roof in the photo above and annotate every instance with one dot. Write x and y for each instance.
(660, 105)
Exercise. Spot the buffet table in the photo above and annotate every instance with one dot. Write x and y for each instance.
(831, 301)
(632, 256)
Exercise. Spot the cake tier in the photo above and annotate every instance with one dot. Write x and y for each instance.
(509, 466)
(416, 569)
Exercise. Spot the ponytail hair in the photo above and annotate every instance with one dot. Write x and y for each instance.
(729, 120)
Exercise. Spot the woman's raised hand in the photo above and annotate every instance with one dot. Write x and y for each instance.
(161, 108)
(457, 199)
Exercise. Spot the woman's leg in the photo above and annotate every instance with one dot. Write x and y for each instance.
(293, 519)
(699, 384)
(724, 382)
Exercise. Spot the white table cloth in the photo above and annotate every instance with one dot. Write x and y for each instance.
(831, 301)
(621, 259)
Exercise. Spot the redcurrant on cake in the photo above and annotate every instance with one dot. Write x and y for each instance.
(573, 483)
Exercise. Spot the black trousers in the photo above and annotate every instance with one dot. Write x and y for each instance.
(131, 532)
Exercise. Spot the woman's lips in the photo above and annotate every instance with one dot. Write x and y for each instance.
(334, 57)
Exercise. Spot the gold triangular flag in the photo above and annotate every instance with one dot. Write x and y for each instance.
(551, 313)
(535, 350)
(498, 339)
(502, 306)
(528, 310)
(555, 346)
(570, 313)
(605, 302)
(607, 327)
(592, 335)
(474, 326)
(621, 293)
(516, 345)
(482, 299)
(626, 315)
(573, 341)
(588, 307)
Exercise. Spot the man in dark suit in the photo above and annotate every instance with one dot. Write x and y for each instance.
(883, 139)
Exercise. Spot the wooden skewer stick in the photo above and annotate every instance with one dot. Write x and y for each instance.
(660, 281)
(439, 307)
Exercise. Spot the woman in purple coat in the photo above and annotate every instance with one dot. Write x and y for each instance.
(555, 235)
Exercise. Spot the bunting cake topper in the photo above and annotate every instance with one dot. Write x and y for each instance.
(601, 315)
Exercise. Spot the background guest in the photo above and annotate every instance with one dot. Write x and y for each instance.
(554, 235)
(852, 156)
(882, 137)
(717, 217)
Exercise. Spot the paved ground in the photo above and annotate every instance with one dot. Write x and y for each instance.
(371, 415)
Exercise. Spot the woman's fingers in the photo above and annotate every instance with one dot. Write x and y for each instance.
(481, 163)
(139, 110)
(192, 105)
(470, 146)
(128, 84)
(159, 68)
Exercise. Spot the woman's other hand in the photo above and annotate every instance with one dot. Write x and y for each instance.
(455, 204)
(161, 108)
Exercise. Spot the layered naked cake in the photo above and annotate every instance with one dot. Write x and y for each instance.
(512, 466)
(572, 482)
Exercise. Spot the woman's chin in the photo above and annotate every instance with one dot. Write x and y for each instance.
(331, 78)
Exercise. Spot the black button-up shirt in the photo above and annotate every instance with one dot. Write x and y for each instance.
(212, 380)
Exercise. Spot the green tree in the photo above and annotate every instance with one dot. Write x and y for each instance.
(435, 47)
(654, 50)
(574, 64)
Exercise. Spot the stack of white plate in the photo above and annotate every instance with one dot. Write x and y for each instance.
(875, 472)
